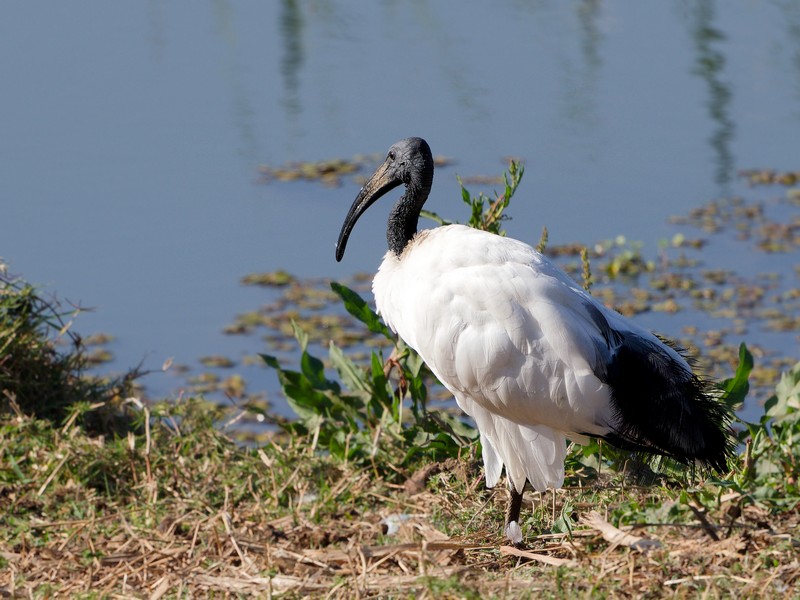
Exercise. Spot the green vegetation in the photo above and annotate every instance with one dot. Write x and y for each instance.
(42, 362)
(368, 492)
(487, 213)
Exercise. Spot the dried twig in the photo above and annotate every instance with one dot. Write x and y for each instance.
(542, 558)
(616, 536)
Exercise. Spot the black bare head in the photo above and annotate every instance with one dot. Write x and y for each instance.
(408, 162)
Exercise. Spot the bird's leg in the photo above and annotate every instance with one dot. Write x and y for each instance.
(513, 531)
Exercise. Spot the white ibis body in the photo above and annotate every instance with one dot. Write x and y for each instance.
(527, 353)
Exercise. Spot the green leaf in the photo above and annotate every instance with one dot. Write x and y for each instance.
(427, 214)
(737, 387)
(302, 336)
(465, 195)
(456, 426)
(786, 400)
(378, 377)
(413, 361)
(563, 524)
(298, 388)
(357, 306)
(352, 377)
(337, 445)
(271, 361)
(21, 478)
(314, 370)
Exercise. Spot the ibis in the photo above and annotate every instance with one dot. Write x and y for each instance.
(533, 358)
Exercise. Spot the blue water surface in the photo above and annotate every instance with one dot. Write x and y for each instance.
(132, 134)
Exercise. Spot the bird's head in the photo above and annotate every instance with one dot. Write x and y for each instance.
(408, 162)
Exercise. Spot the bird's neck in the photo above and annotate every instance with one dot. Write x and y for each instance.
(403, 219)
(402, 225)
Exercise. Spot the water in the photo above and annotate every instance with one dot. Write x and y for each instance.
(131, 135)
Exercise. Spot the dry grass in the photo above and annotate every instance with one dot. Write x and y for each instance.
(180, 511)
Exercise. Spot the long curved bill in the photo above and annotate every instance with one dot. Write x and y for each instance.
(382, 181)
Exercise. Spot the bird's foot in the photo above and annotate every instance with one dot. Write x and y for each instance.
(514, 533)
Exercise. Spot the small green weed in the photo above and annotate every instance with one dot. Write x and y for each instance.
(485, 213)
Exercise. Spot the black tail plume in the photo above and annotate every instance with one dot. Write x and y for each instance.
(662, 408)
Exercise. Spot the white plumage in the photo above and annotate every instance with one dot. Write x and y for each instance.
(526, 352)
(485, 314)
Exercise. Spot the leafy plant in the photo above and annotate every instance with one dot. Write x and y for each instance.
(771, 465)
(485, 213)
(736, 388)
(365, 418)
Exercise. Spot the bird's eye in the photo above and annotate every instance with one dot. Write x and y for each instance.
(391, 155)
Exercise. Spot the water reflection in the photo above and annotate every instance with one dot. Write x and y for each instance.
(709, 65)
(580, 94)
(467, 92)
(291, 29)
(243, 114)
(155, 22)
(589, 15)
(791, 10)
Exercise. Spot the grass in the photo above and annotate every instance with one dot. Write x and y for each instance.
(183, 510)
(365, 495)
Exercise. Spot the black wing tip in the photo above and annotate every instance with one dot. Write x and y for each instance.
(711, 444)
(663, 409)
